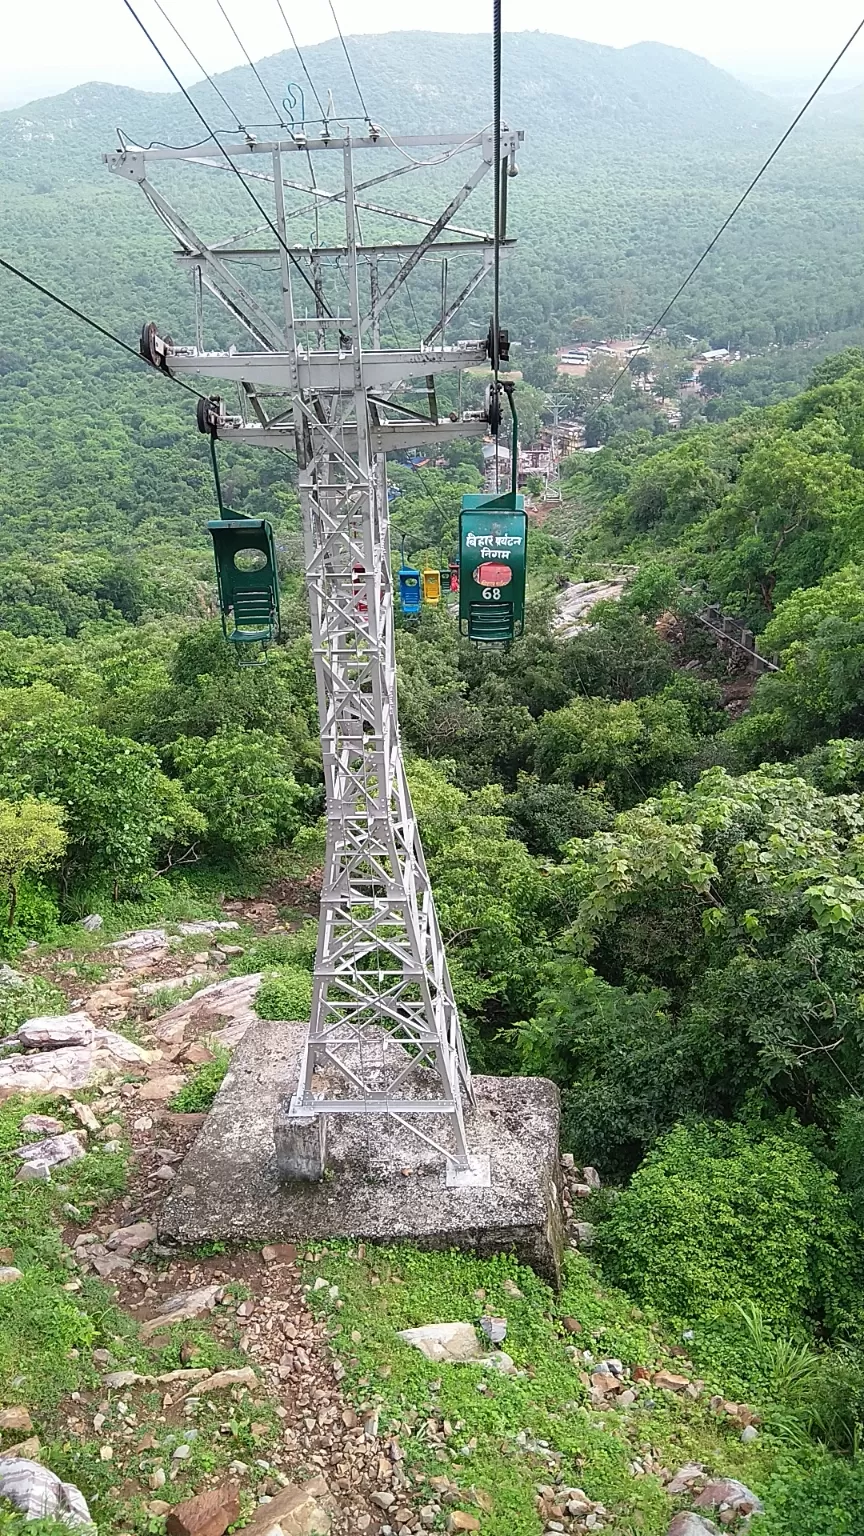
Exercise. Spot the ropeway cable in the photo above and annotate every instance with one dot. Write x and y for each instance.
(248, 57)
(295, 45)
(195, 59)
(740, 203)
(94, 324)
(350, 63)
(240, 177)
(496, 217)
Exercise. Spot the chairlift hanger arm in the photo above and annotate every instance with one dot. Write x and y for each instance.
(385, 436)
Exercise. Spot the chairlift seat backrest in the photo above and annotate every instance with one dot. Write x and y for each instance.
(247, 579)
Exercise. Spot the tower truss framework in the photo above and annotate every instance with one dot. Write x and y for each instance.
(384, 1034)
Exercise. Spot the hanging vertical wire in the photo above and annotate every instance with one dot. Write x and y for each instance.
(496, 214)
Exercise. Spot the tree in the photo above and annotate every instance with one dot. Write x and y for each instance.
(32, 839)
(120, 809)
(736, 911)
(626, 748)
(797, 496)
(242, 787)
(539, 370)
(490, 898)
(819, 632)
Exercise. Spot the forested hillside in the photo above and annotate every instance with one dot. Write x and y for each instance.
(649, 899)
(631, 158)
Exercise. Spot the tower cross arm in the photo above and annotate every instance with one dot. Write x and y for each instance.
(325, 370)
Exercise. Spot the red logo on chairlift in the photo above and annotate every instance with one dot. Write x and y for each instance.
(493, 574)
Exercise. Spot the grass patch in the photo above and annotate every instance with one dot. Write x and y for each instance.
(29, 1000)
(285, 994)
(198, 1093)
(166, 997)
(275, 950)
(47, 1341)
(497, 1441)
(44, 1330)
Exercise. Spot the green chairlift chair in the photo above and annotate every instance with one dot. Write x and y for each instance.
(246, 573)
(493, 541)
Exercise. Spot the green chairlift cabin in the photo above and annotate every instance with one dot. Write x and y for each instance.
(493, 541)
(246, 573)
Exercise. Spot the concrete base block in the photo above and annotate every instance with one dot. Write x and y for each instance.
(300, 1141)
(382, 1184)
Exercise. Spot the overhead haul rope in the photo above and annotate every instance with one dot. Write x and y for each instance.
(94, 324)
(740, 203)
(350, 64)
(496, 191)
(237, 172)
(248, 57)
(296, 48)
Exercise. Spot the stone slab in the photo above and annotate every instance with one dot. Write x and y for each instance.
(383, 1184)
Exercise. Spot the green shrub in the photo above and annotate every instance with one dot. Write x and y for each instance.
(719, 1214)
(37, 916)
(285, 995)
(849, 1151)
(280, 949)
(826, 1500)
(13, 1523)
(198, 1094)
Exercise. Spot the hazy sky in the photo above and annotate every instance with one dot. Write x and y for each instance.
(50, 45)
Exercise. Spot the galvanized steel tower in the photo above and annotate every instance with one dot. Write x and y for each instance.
(322, 386)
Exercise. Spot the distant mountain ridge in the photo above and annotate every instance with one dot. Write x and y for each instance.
(632, 159)
(572, 97)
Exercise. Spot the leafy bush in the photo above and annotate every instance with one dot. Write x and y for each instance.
(625, 1069)
(287, 994)
(718, 1214)
(654, 589)
(198, 1094)
(825, 1500)
(849, 1153)
(241, 785)
(31, 840)
(37, 916)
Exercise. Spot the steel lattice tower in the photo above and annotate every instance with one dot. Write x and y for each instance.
(381, 977)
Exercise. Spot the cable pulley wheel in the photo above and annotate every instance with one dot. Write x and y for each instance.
(207, 415)
(492, 408)
(147, 345)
